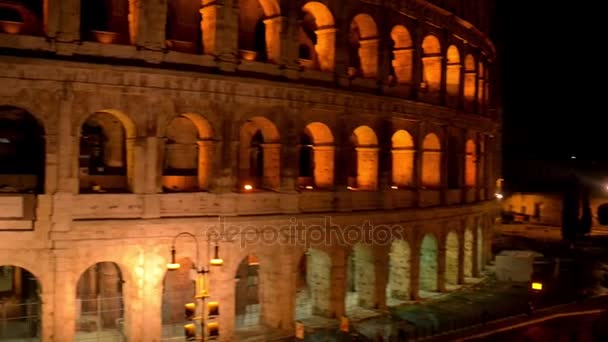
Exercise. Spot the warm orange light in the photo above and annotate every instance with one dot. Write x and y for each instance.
(214, 308)
(537, 286)
(248, 187)
(189, 331)
(394, 187)
(309, 187)
(11, 27)
(213, 329)
(216, 261)
(173, 266)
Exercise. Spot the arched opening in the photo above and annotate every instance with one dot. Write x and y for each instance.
(22, 152)
(481, 73)
(451, 258)
(453, 75)
(259, 162)
(22, 17)
(259, 30)
(106, 153)
(20, 304)
(454, 156)
(313, 285)
(183, 26)
(480, 247)
(247, 293)
(403, 158)
(317, 37)
(188, 154)
(398, 287)
(403, 54)
(428, 265)
(602, 214)
(105, 21)
(100, 310)
(365, 146)
(431, 64)
(178, 290)
(468, 253)
(316, 156)
(361, 279)
(470, 77)
(431, 161)
(363, 47)
(470, 166)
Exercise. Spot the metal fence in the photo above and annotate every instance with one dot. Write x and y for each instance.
(100, 319)
(20, 321)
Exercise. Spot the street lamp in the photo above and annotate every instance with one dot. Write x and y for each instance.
(201, 291)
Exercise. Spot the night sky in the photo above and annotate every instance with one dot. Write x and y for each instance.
(553, 80)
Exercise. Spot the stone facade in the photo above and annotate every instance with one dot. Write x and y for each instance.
(185, 134)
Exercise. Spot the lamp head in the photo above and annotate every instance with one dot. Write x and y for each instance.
(216, 261)
(173, 265)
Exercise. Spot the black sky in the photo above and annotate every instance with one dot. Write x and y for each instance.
(553, 79)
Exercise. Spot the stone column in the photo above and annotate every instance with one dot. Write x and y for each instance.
(205, 161)
(274, 26)
(381, 256)
(68, 27)
(441, 263)
(338, 281)
(64, 314)
(136, 22)
(152, 171)
(403, 65)
(272, 165)
(367, 168)
(51, 167)
(368, 55)
(469, 93)
(153, 22)
(326, 48)
(136, 153)
(323, 159)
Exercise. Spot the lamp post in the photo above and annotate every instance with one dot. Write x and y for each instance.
(197, 311)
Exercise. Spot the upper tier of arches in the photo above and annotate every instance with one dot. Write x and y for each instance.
(407, 51)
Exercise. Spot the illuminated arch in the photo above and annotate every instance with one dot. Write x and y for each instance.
(403, 158)
(188, 153)
(248, 293)
(427, 277)
(398, 286)
(318, 156)
(178, 290)
(481, 75)
(361, 280)
(402, 54)
(363, 45)
(470, 166)
(451, 258)
(365, 159)
(313, 285)
(431, 63)
(260, 27)
(431, 161)
(115, 135)
(318, 35)
(453, 73)
(470, 76)
(108, 21)
(259, 157)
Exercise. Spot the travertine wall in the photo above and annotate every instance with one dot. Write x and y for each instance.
(144, 87)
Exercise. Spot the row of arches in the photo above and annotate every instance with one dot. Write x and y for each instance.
(108, 141)
(102, 291)
(191, 27)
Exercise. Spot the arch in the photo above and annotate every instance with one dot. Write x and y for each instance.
(314, 287)
(99, 302)
(23, 17)
(470, 77)
(188, 153)
(431, 161)
(468, 253)
(259, 30)
(602, 214)
(178, 290)
(271, 7)
(428, 264)
(402, 62)
(320, 154)
(431, 63)
(470, 164)
(399, 268)
(318, 35)
(21, 304)
(259, 161)
(481, 73)
(363, 46)
(107, 21)
(321, 13)
(21, 134)
(107, 140)
(183, 26)
(361, 280)
(453, 74)
(401, 37)
(403, 158)
(365, 148)
(451, 258)
(247, 293)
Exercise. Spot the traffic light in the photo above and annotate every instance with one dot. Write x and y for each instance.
(213, 309)
(213, 329)
(190, 311)
(190, 332)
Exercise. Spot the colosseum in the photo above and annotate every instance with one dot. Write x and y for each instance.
(339, 156)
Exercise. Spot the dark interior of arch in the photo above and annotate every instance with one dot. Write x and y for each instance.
(602, 214)
(21, 152)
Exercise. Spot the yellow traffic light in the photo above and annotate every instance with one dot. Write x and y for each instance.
(190, 311)
(190, 332)
(213, 309)
(537, 286)
(213, 329)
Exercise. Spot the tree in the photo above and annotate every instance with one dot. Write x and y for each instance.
(570, 209)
